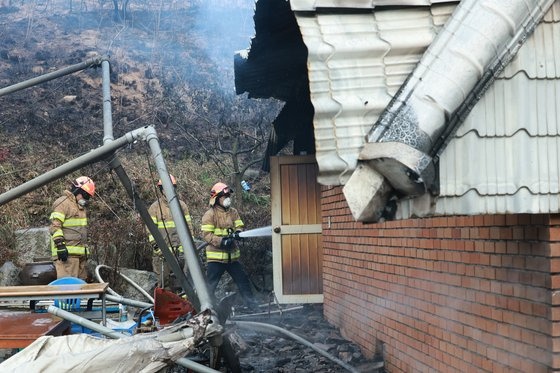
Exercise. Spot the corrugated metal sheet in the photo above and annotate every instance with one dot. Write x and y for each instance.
(311, 5)
(505, 158)
(356, 64)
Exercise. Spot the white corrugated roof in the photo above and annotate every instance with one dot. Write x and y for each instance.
(505, 158)
(356, 64)
(311, 5)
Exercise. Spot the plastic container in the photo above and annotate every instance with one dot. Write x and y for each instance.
(245, 185)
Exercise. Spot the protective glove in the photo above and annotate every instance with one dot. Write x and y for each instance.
(236, 235)
(61, 250)
(227, 243)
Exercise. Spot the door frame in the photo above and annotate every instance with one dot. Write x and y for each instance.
(276, 215)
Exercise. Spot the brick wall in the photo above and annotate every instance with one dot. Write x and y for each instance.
(445, 294)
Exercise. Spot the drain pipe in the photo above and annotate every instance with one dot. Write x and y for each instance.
(184, 362)
(52, 75)
(107, 110)
(71, 166)
(191, 257)
(263, 327)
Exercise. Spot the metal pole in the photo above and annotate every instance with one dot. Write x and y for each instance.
(139, 204)
(53, 75)
(115, 335)
(184, 362)
(84, 322)
(128, 302)
(107, 111)
(103, 310)
(71, 166)
(153, 229)
(199, 279)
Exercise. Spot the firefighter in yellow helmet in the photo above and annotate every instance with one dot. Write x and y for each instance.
(161, 216)
(221, 225)
(68, 229)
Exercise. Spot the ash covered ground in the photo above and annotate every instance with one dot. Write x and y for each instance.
(276, 354)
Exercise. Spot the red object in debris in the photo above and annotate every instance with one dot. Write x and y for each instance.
(169, 306)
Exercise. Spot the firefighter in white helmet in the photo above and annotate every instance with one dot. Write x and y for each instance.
(161, 216)
(68, 229)
(221, 225)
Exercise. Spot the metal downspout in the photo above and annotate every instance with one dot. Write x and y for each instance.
(53, 75)
(107, 110)
(199, 279)
(139, 204)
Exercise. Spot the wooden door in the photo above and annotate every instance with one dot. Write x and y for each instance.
(296, 223)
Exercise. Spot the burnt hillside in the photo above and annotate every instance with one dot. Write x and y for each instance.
(172, 67)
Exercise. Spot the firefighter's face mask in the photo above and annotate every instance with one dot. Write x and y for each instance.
(83, 199)
(227, 202)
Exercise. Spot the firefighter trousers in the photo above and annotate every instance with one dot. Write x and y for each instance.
(235, 269)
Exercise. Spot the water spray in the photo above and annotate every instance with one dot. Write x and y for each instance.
(257, 232)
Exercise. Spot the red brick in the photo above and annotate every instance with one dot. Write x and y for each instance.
(554, 233)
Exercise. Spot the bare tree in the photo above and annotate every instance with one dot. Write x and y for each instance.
(120, 13)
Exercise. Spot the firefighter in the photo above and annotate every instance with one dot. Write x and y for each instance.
(161, 216)
(68, 229)
(221, 225)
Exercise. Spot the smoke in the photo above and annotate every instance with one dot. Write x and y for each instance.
(229, 26)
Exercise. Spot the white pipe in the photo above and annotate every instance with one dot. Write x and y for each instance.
(136, 286)
(128, 302)
(85, 322)
(263, 327)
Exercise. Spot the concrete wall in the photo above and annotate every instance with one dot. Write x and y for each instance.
(446, 294)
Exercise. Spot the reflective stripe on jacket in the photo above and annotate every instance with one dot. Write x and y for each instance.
(217, 223)
(164, 220)
(69, 221)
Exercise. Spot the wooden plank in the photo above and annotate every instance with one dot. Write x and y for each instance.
(286, 265)
(320, 262)
(312, 200)
(296, 264)
(285, 194)
(276, 207)
(305, 258)
(313, 265)
(42, 290)
(301, 229)
(294, 195)
(303, 194)
(296, 159)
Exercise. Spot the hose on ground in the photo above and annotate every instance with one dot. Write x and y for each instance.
(266, 313)
(263, 327)
(126, 278)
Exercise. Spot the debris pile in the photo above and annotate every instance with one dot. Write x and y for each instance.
(276, 354)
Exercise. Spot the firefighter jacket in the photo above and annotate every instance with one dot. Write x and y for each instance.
(161, 216)
(217, 223)
(69, 221)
